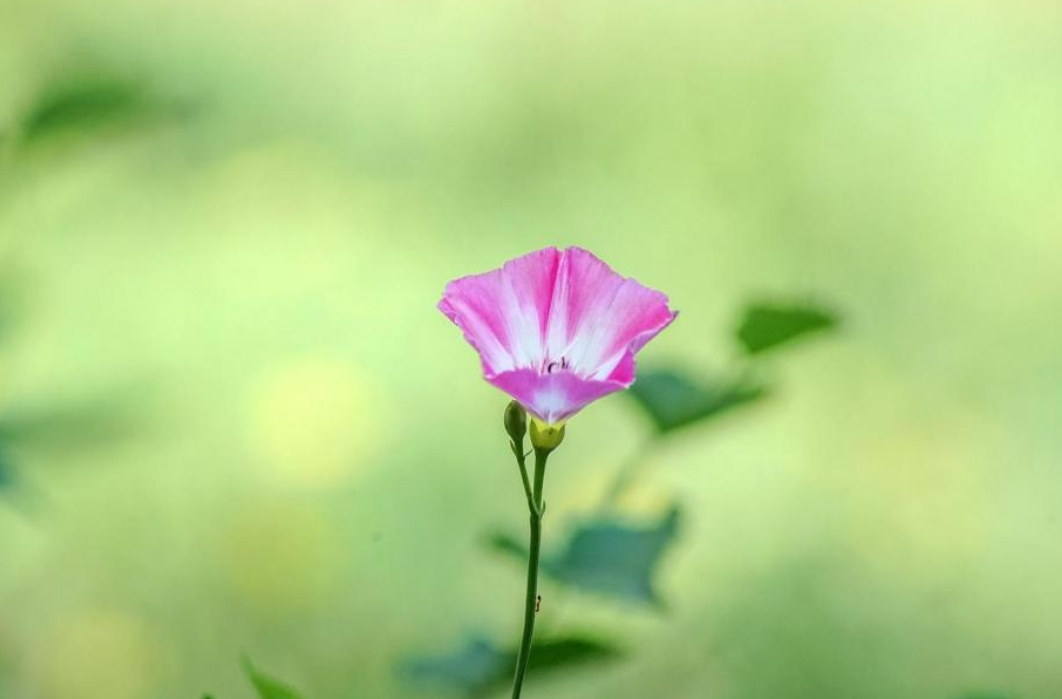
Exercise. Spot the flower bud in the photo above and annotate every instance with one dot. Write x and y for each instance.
(516, 422)
(546, 437)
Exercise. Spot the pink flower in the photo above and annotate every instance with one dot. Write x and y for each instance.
(556, 330)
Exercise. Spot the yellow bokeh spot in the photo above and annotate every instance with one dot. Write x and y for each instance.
(100, 653)
(645, 500)
(583, 489)
(316, 422)
(281, 557)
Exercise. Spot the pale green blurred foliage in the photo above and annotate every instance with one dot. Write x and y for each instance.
(254, 253)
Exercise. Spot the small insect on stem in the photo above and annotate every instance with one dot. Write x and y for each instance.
(538, 604)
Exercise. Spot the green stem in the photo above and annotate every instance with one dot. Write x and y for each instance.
(537, 508)
(518, 451)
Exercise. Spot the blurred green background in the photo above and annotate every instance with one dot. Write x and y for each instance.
(232, 422)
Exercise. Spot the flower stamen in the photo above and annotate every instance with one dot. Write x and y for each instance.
(563, 364)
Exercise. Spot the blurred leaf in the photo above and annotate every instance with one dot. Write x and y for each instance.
(766, 326)
(480, 667)
(474, 668)
(608, 557)
(500, 541)
(266, 686)
(562, 653)
(674, 400)
(81, 103)
(615, 558)
(90, 101)
(77, 425)
(6, 479)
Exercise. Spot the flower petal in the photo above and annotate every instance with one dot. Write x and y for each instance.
(597, 315)
(503, 312)
(554, 397)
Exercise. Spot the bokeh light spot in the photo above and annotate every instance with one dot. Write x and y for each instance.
(316, 422)
(281, 557)
(101, 653)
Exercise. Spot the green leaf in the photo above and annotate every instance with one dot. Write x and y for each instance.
(81, 103)
(74, 427)
(6, 477)
(561, 653)
(84, 423)
(474, 668)
(500, 541)
(266, 686)
(94, 99)
(673, 399)
(611, 557)
(480, 668)
(766, 326)
(615, 558)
